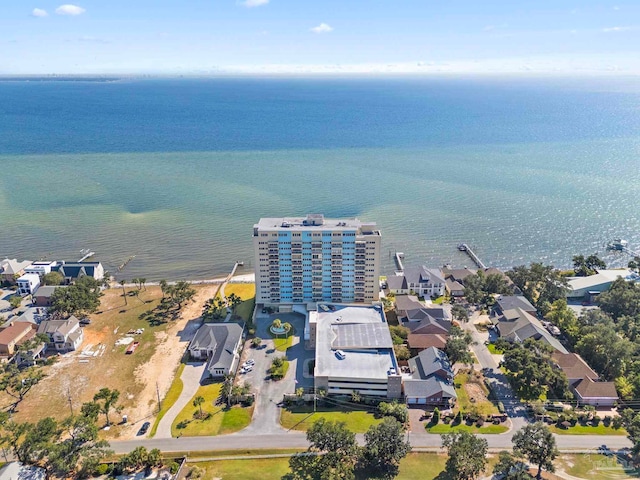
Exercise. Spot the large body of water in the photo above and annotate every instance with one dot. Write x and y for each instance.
(176, 172)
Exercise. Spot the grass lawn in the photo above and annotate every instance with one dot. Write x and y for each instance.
(492, 348)
(467, 389)
(301, 418)
(170, 398)
(426, 466)
(488, 428)
(588, 430)
(594, 467)
(112, 368)
(222, 419)
(247, 292)
(439, 300)
(281, 342)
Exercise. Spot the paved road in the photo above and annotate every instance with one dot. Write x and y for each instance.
(191, 378)
(242, 440)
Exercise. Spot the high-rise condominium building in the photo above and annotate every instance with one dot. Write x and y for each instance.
(313, 259)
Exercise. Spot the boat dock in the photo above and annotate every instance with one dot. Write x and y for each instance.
(463, 247)
(399, 256)
(87, 254)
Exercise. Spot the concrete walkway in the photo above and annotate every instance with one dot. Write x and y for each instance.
(191, 376)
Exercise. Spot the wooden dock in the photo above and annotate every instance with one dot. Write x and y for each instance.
(463, 247)
(399, 256)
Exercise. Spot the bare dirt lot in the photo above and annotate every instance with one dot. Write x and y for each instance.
(101, 362)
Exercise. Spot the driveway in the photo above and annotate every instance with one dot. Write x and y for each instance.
(269, 393)
(192, 376)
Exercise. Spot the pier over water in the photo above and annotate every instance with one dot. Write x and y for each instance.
(463, 247)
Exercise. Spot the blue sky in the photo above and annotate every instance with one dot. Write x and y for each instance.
(206, 36)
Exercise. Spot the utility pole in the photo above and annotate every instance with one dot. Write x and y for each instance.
(159, 401)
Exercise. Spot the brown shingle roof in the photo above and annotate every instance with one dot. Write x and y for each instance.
(424, 341)
(14, 331)
(587, 388)
(573, 365)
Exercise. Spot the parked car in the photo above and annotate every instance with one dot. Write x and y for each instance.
(143, 429)
(250, 362)
(246, 369)
(341, 355)
(85, 321)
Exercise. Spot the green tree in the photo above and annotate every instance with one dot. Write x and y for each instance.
(435, 417)
(510, 468)
(52, 278)
(631, 423)
(163, 287)
(536, 443)
(234, 301)
(402, 352)
(540, 284)
(467, 455)
(332, 453)
(564, 318)
(457, 346)
(385, 447)
(394, 409)
(459, 313)
(256, 341)
(15, 301)
(90, 410)
(107, 399)
(79, 299)
(124, 292)
(399, 334)
(197, 402)
(17, 383)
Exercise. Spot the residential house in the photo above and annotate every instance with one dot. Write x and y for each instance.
(18, 471)
(587, 288)
(428, 328)
(455, 288)
(458, 274)
(418, 280)
(72, 271)
(584, 382)
(431, 381)
(64, 335)
(42, 297)
(404, 303)
(40, 268)
(598, 394)
(28, 284)
(516, 325)
(218, 344)
(509, 302)
(12, 269)
(15, 334)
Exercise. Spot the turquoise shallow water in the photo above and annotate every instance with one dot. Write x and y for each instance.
(547, 180)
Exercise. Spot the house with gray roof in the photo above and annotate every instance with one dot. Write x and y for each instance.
(218, 344)
(516, 325)
(431, 381)
(64, 335)
(42, 297)
(418, 280)
(510, 302)
(72, 271)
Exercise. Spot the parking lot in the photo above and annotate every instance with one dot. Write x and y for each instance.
(269, 393)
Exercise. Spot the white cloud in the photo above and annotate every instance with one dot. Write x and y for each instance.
(253, 3)
(322, 28)
(615, 29)
(38, 12)
(69, 9)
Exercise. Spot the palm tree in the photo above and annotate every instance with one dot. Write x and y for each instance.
(197, 402)
(143, 282)
(124, 292)
(287, 327)
(163, 287)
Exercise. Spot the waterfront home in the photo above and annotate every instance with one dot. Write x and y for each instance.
(28, 284)
(13, 335)
(11, 270)
(218, 344)
(516, 325)
(588, 288)
(455, 288)
(64, 335)
(458, 274)
(431, 381)
(418, 280)
(40, 268)
(72, 271)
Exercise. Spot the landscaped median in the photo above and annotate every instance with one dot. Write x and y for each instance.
(215, 419)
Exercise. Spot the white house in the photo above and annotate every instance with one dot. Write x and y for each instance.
(64, 335)
(219, 344)
(421, 281)
(28, 284)
(40, 268)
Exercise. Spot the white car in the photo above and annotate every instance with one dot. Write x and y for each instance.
(251, 362)
(246, 369)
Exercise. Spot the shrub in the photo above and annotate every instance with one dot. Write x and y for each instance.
(458, 418)
(102, 469)
(616, 422)
(394, 409)
(595, 421)
(174, 467)
(435, 418)
(196, 473)
(255, 342)
(607, 420)
(252, 331)
(182, 424)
